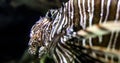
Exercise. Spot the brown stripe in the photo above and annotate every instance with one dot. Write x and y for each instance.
(76, 19)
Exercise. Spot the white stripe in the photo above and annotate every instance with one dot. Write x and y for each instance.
(83, 3)
(66, 53)
(61, 24)
(55, 58)
(84, 42)
(91, 18)
(118, 11)
(110, 41)
(100, 39)
(108, 8)
(81, 15)
(69, 10)
(72, 15)
(66, 16)
(66, 21)
(59, 55)
(102, 9)
(54, 28)
(89, 6)
(115, 40)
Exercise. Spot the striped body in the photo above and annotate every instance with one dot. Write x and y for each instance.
(58, 33)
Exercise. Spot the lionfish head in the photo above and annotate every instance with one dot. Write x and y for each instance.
(37, 44)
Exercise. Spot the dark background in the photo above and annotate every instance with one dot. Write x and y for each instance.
(15, 25)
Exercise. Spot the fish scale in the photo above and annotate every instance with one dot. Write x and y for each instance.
(86, 30)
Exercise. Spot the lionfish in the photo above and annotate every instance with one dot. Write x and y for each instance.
(81, 31)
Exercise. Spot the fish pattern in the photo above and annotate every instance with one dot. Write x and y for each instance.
(81, 31)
